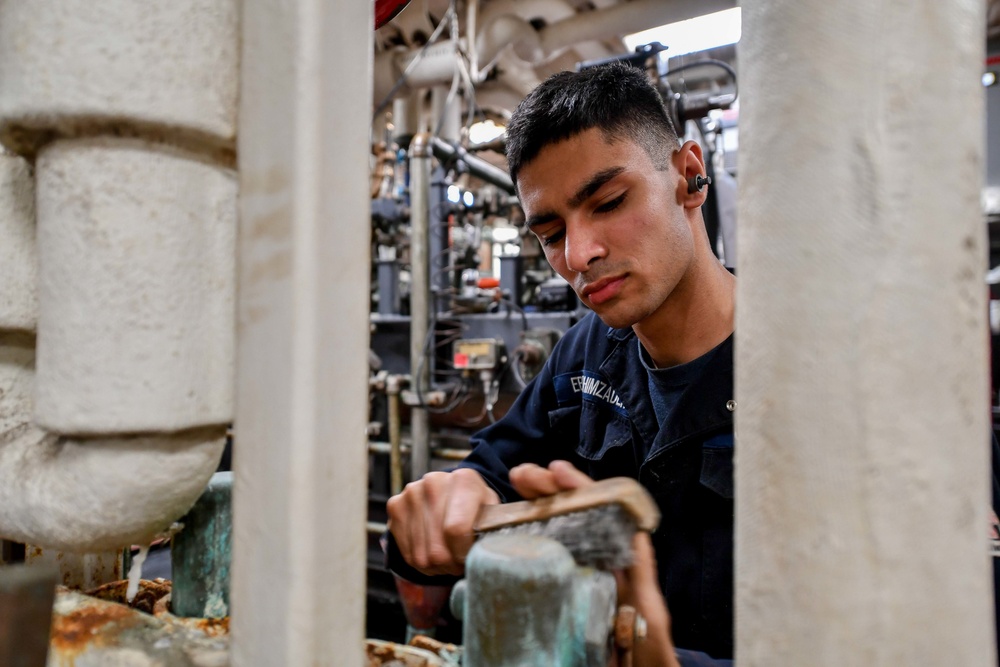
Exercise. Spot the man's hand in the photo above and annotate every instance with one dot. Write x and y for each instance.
(432, 519)
(638, 586)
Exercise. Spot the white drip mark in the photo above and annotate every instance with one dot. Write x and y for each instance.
(134, 573)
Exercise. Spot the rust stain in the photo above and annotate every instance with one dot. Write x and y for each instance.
(266, 182)
(150, 591)
(378, 655)
(213, 627)
(275, 225)
(274, 268)
(75, 631)
(251, 316)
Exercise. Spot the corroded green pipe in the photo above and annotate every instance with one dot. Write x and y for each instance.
(201, 553)
(525, 603)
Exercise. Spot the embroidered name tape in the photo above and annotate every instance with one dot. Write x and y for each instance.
(573, 387)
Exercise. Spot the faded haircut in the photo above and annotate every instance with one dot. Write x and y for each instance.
(617, 99)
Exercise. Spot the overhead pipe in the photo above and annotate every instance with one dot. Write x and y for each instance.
(624, 18)
(549, 11)
(506, 23)
(522, 13)
(503, 31)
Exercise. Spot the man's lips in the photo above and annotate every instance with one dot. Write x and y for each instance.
(604, 289)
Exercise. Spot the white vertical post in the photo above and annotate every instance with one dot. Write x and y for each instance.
(300, 454)
(863, 420)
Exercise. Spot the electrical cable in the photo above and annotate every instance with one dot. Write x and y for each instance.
(712, 63)
(516, 368)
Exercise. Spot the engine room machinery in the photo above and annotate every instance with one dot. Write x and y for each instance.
(464, 308)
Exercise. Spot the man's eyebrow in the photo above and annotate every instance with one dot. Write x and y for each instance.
(593, 185)
(536, 220)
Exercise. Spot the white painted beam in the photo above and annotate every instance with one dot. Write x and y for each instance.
(300, 453)
(863, 423)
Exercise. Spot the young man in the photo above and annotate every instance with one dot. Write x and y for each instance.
(643, 386)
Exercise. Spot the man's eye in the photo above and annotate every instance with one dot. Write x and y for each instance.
(607, 207)
(552, 238)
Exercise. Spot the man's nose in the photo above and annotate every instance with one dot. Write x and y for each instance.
(584, 245)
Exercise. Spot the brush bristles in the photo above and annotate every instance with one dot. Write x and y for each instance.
(600, 537)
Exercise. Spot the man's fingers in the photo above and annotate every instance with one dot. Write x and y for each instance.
(468, 493)
(532, 481)
(407, 525)
(567, 476)
(436, 488)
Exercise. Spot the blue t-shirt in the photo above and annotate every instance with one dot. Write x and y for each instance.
(667, 384)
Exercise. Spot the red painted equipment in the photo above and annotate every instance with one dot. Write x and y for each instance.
(386, 10)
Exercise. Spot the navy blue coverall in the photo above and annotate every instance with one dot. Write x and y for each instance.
(590, 405)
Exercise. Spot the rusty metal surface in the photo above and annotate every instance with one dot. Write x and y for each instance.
(90, 632)
(385, 654)
(26, 595)
(625, 634)
(150, 591)
(449, 653)
(86, 625)
(212, 627)
(80, 571)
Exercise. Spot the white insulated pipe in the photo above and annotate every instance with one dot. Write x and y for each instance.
(137, 288)
(66, 492)
(135, 284)
(863, 419)
(18, 250)
(170, 67)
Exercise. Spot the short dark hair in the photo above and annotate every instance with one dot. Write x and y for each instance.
(617, 99)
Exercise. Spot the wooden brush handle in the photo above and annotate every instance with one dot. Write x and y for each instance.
(621, 490)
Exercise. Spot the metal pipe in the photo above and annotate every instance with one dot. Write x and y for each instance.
(446, 453)
(395, 455)
(376, 527)
(420, 299)
(450, 454)
(476, 166)
(440, 241)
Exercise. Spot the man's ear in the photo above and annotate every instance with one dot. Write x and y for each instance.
(690, 165)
